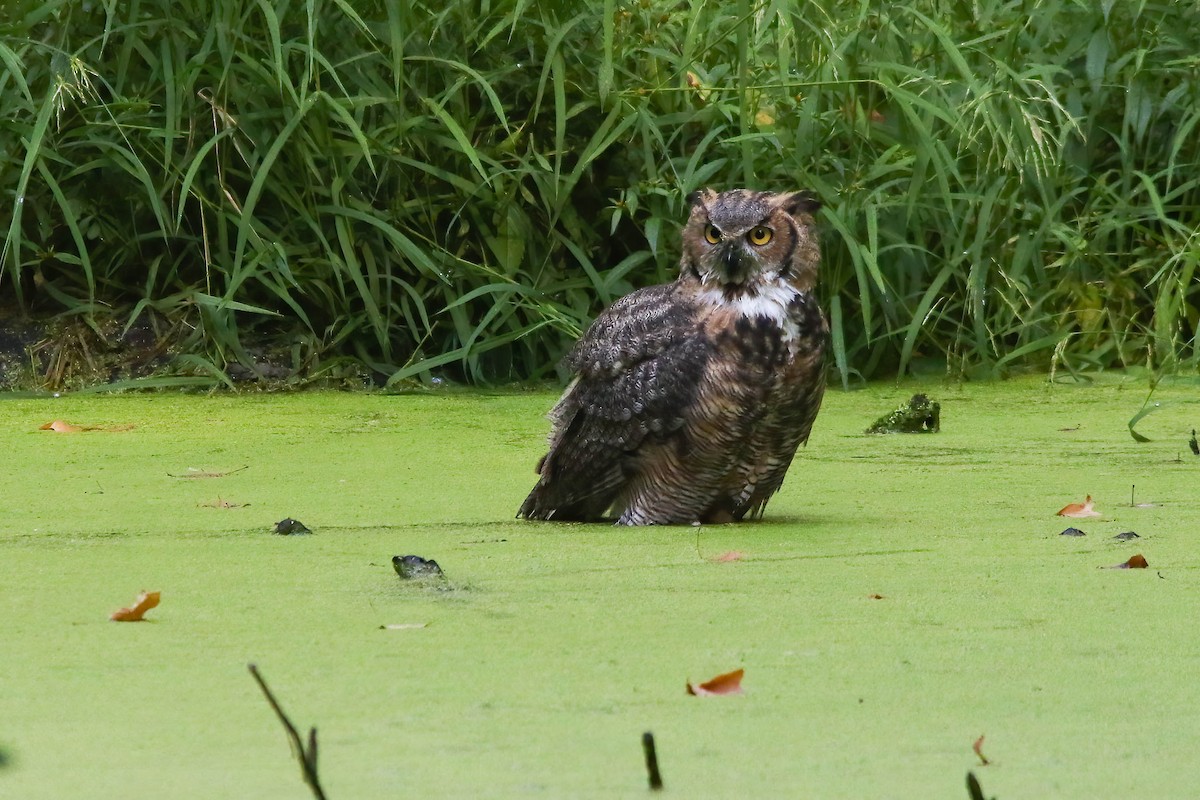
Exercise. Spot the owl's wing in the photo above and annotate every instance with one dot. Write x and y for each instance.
(637, 369)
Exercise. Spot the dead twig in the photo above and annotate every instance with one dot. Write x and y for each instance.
(306, 755)
(651, 761)
(974, 789)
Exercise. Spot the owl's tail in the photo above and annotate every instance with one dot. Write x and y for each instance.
(546, 502)
(551, 499)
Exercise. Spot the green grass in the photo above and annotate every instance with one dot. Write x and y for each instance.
(457, 188)
(558, 645)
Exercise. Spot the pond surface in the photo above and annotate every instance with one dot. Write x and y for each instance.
(904, 595)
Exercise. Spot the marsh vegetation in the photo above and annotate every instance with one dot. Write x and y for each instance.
(391, 191)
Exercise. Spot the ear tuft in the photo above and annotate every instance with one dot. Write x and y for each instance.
(700, 197)
(803, 202)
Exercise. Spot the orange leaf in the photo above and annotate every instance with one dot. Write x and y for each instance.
(60, 426)
(1079, 510)
(732, 555)
(978, 748)
(1135, 562)
(729, 683)
(135, 612)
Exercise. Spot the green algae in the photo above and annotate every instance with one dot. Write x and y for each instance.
(550, 648)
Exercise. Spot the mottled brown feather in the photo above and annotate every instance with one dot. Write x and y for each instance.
(691, 398)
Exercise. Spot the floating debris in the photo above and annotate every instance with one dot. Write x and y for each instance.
(728, 683)
(291, 527)
(918, 415)
(1126, 536)
(1072, 532)
(1135, 562)
(137, 611)
(1079, 510)
(656, 782)
(978, 748)
(409, 567)
(193, 473)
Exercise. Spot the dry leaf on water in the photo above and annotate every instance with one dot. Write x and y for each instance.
(978, 748)
(135, 612)
(1079, 510)
(729, 683)
(197, 473)
(732, 555)
(62, 426)
(220, 503)
(1135, 562)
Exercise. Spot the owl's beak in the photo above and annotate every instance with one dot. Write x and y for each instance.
(737, 264)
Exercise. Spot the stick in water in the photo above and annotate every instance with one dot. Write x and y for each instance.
(307, 756)
(651, 761)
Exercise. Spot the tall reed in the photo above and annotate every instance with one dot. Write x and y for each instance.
(458, 187)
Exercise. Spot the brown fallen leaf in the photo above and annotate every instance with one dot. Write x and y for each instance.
(196, 473)
(978, 748)
(135, 612)
(729, 683)
(62, 426)
(875, 597)
(732, 555)
(220, 503)
(1135, 562)
(1079, 510)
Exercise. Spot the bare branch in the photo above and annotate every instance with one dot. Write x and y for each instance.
(306, 756)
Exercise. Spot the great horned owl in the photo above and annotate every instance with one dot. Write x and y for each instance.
(691, 398)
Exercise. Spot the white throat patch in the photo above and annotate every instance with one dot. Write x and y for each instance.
(770, 301)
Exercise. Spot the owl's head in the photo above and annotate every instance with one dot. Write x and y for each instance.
(740, 241)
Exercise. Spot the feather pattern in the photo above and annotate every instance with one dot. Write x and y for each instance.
(690, 399)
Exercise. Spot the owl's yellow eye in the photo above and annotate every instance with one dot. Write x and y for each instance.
(760, 235)
(711, 234)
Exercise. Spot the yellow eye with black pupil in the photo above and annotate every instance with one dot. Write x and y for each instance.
(711, 234)
(760, 235)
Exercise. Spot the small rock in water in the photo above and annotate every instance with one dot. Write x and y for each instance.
(1072, 532)
(1126, 536)
(415, 567)
(290, 527)
(918, 415)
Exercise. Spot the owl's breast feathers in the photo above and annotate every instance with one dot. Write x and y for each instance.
(687, 405)
(770, 369)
